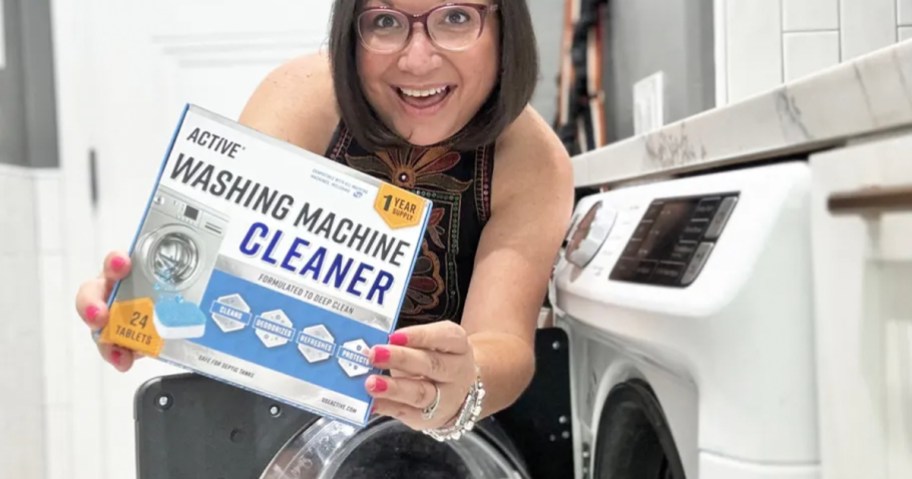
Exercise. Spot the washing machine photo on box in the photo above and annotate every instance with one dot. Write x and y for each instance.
(175, 252)
(688, 305)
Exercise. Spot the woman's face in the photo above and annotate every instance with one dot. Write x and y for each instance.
(423, 92)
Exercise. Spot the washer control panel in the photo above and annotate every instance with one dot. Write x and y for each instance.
(182, 210)
(674, 239)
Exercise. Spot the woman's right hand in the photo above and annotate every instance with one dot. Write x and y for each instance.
(92, 306)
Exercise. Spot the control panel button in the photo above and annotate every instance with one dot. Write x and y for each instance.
(682, 252)
(624, 270)
(633, 249)
(696, 264)
(718, 222)
(653, 211)
(668, 272)
(694, 230)
(641, 230)
(643, 271)
(589, 234)
(706, 208)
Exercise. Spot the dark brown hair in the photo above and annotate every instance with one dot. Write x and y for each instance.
(518, 75)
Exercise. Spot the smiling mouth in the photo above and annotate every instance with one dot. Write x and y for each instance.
(424, 98)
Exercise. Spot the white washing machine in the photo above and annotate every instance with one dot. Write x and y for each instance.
(688, 304)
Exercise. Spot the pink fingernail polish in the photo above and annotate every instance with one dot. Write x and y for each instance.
(381, 354)
(118, 263)
(92, 313)
(398, 339)
(380, 385)
(116, 357)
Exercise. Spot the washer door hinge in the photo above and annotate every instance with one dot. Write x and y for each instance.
(585, 456)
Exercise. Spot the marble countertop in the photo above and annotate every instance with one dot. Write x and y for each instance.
(864, 96)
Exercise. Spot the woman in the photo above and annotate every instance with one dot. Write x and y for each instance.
(431, 96)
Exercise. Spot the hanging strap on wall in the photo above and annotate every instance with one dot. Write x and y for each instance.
(580, 121)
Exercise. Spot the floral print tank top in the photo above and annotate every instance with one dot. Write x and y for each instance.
(459, 184)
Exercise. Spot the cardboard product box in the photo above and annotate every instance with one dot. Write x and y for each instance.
(266, 266)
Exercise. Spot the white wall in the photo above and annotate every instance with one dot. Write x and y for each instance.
(33, 330)
(547, 18)
(763, 43)
(21, 385)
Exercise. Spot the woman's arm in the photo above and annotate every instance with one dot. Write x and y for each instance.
(532, 201)
(296, 103)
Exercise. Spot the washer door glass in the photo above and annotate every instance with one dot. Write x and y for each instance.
(172, 258)
(385, 449)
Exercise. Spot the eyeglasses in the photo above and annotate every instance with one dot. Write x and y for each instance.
(451, 26)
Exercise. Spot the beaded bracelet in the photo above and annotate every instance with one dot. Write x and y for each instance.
(467, 417)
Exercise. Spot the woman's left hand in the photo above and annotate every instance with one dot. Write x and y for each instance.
(420, 357)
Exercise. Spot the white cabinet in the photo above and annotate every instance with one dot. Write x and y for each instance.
(862, 246)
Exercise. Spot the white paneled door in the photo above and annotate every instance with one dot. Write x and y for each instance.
(141, 62)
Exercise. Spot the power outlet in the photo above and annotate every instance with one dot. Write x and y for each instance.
(649, 104)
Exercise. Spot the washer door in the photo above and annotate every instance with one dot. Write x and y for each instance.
(634, 441)
(385, 449)
(171, 257)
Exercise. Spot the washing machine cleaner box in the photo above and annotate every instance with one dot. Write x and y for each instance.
(268, 267)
